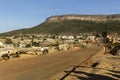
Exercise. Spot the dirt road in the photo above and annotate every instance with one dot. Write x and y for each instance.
(43, 67)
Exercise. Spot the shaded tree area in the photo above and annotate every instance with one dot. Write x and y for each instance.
(111, 74)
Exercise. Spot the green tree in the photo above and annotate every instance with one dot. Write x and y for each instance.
(8, 41)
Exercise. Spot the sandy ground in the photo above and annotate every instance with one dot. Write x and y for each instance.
(100, 67)
(45, 67)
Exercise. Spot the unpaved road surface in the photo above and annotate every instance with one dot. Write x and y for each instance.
(43, 67)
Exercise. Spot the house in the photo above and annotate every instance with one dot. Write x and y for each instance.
(68, 37)
(1, 44)
(91, 38)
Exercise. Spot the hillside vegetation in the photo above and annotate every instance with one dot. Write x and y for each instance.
(69, 27)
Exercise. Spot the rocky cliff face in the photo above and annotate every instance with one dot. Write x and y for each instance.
(84, 17)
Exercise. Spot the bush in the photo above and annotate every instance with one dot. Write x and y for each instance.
(28, 45)
(8, 41)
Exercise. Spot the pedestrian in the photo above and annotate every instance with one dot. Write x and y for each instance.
(41, 50)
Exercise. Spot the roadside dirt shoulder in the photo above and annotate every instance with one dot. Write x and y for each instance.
(99, 67)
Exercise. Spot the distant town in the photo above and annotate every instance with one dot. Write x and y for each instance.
(31, 44)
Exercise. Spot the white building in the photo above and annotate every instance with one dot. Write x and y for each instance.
(1, 44)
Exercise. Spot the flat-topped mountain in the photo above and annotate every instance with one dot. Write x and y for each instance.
(73, 24)
(85, 18)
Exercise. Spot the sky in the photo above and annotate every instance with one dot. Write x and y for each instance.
(19, 14)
